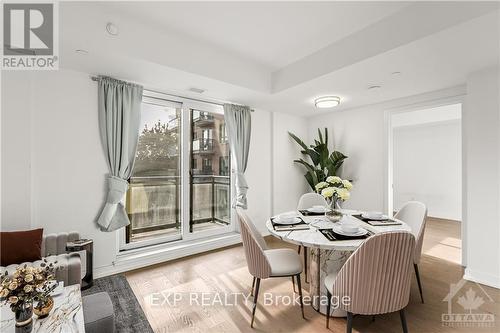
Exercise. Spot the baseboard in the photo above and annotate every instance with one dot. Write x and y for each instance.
(482, 278)
(134, 260)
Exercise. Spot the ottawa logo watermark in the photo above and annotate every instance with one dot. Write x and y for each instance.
(30, 36)
(464, 306)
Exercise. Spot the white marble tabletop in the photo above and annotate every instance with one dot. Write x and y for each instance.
(312, 237)
(65, 317)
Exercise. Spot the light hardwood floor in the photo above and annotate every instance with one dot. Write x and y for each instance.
(225, 271)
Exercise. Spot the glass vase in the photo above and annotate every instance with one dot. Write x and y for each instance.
(334, 214)
(24, 314)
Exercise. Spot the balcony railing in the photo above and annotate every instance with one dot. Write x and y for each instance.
(202, 118)
(203, 146)
(154, 206)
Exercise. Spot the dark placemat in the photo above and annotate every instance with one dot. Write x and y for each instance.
(305, 212)
(379, 222)
(333, 236)
(287, 226)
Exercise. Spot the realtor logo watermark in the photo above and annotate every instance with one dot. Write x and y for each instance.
(174, 299)
(464, 306)
(30, 36)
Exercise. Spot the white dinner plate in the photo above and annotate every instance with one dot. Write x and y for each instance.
(374, 217)
(317, 210)
(360, 232)
(295, 220)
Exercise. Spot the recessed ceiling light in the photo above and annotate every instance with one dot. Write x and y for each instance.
(375, 87)
(112, 29)
(82, 51)
(396, 73)
(197, 90)
(327, 102)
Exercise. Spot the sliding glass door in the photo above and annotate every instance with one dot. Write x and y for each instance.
(209, 177)
(180, 187)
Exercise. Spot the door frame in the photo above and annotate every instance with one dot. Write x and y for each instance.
(389, 160)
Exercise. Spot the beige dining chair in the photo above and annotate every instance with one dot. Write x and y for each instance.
(306, 201)
(376, 278)
(266, 263)
(414, 214)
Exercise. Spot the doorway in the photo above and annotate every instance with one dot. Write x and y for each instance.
(426, 165)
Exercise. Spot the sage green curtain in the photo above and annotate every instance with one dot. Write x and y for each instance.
(239, 126)
(119, 119)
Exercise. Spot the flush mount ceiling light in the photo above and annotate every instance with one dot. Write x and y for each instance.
(112, 29)
(327, 102)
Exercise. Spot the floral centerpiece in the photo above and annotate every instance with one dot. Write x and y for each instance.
(25, 287)
(335, 190)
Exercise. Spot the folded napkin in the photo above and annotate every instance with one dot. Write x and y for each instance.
(333, 236)
(378, 223)
(305, 212)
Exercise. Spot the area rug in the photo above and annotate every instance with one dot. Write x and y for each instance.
(129, 317)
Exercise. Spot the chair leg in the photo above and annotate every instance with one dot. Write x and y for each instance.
(305, 263)
(253, 286)
(418, 282)
(293, 283)
(299, 285)
(403, 320)
(255, 298)
(328, 305)
(349, 322)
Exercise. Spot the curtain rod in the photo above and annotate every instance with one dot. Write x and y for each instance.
(95, 78)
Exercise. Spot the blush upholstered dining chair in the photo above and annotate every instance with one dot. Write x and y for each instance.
(376, 278)
(307, 201)
(266, 263)
(414, 214)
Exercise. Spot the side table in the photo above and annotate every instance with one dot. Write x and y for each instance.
(86, 245)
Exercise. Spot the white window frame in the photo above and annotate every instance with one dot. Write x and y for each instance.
(186, 106)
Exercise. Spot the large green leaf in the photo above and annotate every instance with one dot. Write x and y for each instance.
(323, 163)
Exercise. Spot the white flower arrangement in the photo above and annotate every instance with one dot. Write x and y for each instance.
(334, 188)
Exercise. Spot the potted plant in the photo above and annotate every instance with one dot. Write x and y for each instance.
(335, 190)
(322, 163)
(25, 287)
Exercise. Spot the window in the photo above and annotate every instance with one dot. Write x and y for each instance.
(222, 133)
(153, 200)
(224, 166)
(206, 166)
(165, 201)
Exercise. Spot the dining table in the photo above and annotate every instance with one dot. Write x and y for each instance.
(326, 256)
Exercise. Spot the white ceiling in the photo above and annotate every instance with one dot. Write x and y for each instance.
(236, 51)
(273, 34)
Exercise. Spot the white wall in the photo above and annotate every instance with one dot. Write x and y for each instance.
(428, 167)
(16, 150)
(288, 177)
(481, 131)
(53, 166)
(359, 135)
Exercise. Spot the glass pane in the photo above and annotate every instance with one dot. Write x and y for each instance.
(153, 199)
(210, 176)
